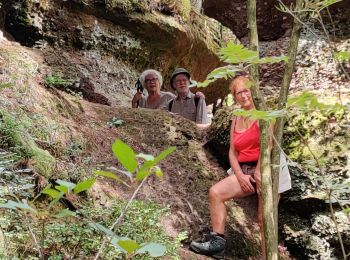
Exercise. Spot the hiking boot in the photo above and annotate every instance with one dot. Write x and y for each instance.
(215, 247)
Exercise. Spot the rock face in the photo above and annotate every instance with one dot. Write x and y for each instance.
(272, 23)
(111, 43)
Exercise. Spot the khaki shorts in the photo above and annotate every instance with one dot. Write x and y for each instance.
(285, 182)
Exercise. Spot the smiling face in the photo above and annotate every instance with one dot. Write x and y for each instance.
(241, 92)
(152, 82)
(181, 84)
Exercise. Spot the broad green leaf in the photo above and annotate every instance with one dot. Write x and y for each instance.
(65, 213)
(102, 229)
(7, 205)
(218, 73)
(17, 205)
(115, 241)
(129, 174)
(164, 154)
(144, 170)
(346, 210)
(128, 245)
(147, 157)
(108, 175)
(342, 55)
(51, 192)
(307, 100)
(55, 200)
(61, 188)
(154, 249)
(84, 185)
(158, 171)
(125, 154)
(236, 53)
(326, 3)
(70, 186)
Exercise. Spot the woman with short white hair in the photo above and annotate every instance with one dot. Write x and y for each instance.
(152, 81)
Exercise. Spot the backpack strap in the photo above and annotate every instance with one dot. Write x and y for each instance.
(196, 101)
(170, 105)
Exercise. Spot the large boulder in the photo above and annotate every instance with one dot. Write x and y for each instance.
(111, 42)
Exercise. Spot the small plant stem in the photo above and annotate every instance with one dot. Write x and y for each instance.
(120, 216)
(38, 248)
(336, 225)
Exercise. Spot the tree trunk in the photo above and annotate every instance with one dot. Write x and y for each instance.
(278, 129)
(254, 46)
(270, 249)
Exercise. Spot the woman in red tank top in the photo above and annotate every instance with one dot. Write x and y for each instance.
(244, 153)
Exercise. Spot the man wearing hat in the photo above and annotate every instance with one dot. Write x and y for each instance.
(186, 103)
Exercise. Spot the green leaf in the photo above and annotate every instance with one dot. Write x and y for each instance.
(16, 205)
(147, 157)
(164, 154)
(342, 55)
(144, 170)
(218, 73)
(236, 53)
(125, 154)
(115, 241)
(327, 3)
(69, 185)
(65, 213)
(154, 249)
(158, 171)
(51, 192)
(61, 188)
(102, 229)
(107, 174)
(55, 200)
(84, 185)
(128, 245)
(346, 210)
(7, 205)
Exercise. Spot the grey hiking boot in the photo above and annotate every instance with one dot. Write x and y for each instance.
(215, 247)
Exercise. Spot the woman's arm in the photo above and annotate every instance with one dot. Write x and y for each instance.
(244, 180)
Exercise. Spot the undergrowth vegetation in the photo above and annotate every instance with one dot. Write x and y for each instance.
(80, 239)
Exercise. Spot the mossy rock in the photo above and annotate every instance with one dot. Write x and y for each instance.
(13, 136)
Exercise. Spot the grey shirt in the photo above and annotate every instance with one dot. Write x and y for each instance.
(165, 98)
(187, 108)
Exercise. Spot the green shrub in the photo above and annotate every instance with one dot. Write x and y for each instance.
(57, 81)
(14, 137)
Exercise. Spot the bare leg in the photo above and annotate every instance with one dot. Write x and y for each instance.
(222, 191)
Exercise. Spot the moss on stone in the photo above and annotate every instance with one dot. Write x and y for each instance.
(15, 137)
(128, 6)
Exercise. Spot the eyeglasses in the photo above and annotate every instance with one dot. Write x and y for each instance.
(244, 91)
(178, 82)
(151, 80)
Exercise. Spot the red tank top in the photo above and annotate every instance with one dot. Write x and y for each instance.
(247, 143)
